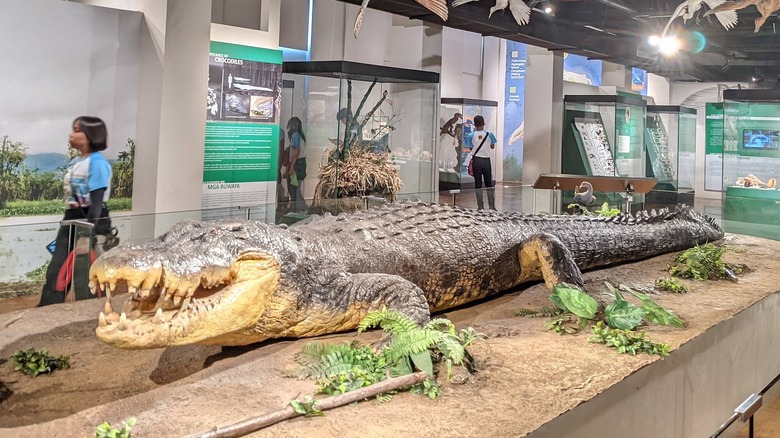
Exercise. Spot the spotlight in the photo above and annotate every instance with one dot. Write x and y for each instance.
(669, 45)
(654, 40)
(547, 9)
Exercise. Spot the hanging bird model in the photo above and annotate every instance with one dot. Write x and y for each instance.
(765, 7)
(688, 8)
(438, 7)
(520, 11)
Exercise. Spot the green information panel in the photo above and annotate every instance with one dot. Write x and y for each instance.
(713, 147)
(242, 127)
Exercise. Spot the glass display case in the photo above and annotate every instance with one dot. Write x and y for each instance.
(370, 115)
(670, 142)
(603, 136)
(751, 162)
(456, 121)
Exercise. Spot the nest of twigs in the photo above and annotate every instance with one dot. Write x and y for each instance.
(362, 173)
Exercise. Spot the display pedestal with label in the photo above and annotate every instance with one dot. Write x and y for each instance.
(751, 162)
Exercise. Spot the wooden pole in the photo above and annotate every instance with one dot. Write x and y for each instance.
(254, 424)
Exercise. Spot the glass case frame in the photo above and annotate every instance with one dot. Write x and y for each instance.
(751, 162)
(670, 142)
(453, 174)
(395, 110)
(604, 135)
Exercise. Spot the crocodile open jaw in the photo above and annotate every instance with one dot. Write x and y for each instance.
(166, 309)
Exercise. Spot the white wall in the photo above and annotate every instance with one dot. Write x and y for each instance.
(696, 95)
(543, 113)
(659, 88)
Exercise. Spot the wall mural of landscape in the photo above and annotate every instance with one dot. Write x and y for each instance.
(70, 60)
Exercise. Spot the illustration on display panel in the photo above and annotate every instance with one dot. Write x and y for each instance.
(594, 140)
(658, 147)
(242, 90)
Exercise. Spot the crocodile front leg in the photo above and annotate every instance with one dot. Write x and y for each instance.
(351, 297)
(544, 257)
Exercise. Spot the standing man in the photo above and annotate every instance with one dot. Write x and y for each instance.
(481, 156)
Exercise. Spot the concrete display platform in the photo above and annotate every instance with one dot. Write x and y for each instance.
(531, 382)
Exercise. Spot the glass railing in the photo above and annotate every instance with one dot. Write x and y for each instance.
(750, 411)
(25, 241)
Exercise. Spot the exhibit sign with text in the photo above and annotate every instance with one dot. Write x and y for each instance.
(514, 110)
(713, 147)
(639, 80)
(242, 129)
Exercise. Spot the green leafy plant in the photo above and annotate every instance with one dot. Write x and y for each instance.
(306, 407)
(411, 344)
(33, 362)
(340, 368)
(572, 299)
(573, 309)
(621, 314)
(106, 431)
(703, 262)
(671, 285)
(627, 341)
(428, 388)
(654, 312)
(350, 366)
(606, 211)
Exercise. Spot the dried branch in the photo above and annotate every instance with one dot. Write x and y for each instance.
(254, 424)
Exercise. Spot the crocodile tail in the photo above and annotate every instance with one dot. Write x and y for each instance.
(686, 212)
(682, 212)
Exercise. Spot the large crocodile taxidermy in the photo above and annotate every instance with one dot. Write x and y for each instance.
(240, 282)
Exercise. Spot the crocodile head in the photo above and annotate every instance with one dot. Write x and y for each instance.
(200, 282)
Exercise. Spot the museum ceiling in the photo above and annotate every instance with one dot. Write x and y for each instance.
(618, 31)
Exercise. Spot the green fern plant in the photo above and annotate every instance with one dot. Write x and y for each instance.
(703, 262)
(671, 285)
(627, 341)
(340, 368)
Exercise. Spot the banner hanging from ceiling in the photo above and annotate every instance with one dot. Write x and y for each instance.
(514, 110)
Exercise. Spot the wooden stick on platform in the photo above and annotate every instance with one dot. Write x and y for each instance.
(254, 424)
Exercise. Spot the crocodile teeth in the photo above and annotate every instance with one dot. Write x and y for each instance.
(158, 316)
(93, 287)
(122, 322)
(131, 289)
(186, 303)
(107, 308)
(176, 300)
(145, 293)
(102, 320)
(112, 285)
